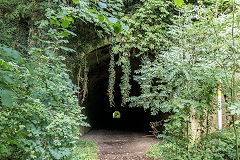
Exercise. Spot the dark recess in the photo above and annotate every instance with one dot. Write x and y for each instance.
(100, 113)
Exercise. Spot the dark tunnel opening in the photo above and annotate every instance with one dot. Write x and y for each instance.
(99, 112)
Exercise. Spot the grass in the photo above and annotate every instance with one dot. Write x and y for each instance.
(85, 150)
(154, 151)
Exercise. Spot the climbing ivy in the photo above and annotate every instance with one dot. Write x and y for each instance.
(40, 115)
(147, 25)
(183, 81)
(112, 76)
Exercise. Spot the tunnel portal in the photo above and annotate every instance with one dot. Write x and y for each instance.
(98, 110)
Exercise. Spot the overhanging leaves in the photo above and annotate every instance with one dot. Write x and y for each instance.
(117, 28)
(179, 2)
(6, 97)
(101, 18)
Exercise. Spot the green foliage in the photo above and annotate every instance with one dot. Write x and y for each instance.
(183, 59)
(213, 146)
(91, 24)
(147, 26)
(183, 81)
(39, 114)
(17, 18)
(147, 29)
(85, 150)
(179, 2)
(155, 151)
(111, 81)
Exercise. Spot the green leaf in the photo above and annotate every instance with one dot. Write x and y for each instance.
(117, 28)
(92, 10)
(6, 97)
(7, 79)
(65, 24)
(101, 18)
(108, 22)
(3, 85)
(71, 19)
(75, 1)
(70, 32)
(30, 69)
(11, 54)
(67, 49)
(179, 2)
(54, 21)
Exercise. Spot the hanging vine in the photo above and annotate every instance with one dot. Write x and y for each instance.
(112, 78)
(124, 62)
(82, 78)
(148, 36)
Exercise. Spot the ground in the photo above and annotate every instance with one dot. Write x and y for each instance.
(121, 145)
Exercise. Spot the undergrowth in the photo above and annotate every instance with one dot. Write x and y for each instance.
(85, 150)
(217, 145)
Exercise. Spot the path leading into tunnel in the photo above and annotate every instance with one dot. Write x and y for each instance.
(121, 145)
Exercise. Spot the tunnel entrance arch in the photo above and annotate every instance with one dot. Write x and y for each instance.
(97, 107)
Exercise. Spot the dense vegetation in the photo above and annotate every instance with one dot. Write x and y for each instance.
(203, 51)
(184, 49)
(40, 112)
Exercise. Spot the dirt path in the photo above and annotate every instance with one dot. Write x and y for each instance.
(118, 145)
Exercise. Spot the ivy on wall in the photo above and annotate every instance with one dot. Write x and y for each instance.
(40, 115)
(147, 35)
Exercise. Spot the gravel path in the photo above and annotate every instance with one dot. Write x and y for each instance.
(119, 145)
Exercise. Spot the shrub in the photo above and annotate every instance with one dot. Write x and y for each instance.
(40, 116)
